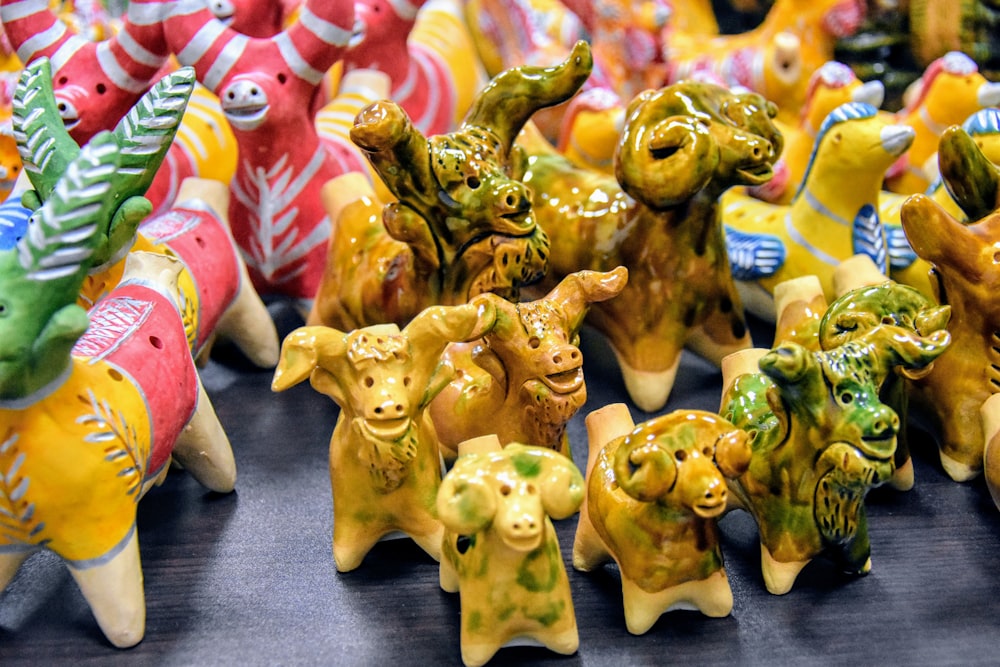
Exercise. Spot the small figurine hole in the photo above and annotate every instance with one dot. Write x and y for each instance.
(996, 257)
(156, 342)
(407, 381)
(534, 342)
(473, 183)
(63, 80)
(680, 455)
(282, 78)
(505, 490)
(115, 375)
(101, 88)
(369, 381)
(199, 241)
(463, 542)
(707, 451)
(530, 488)
(846, 398)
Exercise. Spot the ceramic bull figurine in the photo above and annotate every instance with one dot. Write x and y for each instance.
(681, 147)
(93, 407)
(384, 461)
(523, 381)
(500, 551)
(462, 224)
(820, 439)
(654, 492)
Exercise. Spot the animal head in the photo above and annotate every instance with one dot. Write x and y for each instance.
(382, 377)
(830, 86)
(377, 23)
(950, 90)
(856, 141)
(95, 82)
(41, 276)
(681, 460)
(680, 139)
(462, 202)
(509, 492)
(252, 18)
(532, 351)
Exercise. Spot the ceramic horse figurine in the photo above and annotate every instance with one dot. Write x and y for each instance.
(83, 406)
(950, 90)
(682, 146)
(832, 217)
(426, 49)
(266, 86)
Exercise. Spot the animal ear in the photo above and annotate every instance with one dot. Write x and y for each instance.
(561, 484)
(301, 352)
(643, 469)
(465, 504)
(971, 179)
(732, 453)
(788, 363)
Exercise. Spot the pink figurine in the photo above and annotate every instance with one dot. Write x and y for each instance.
(266, 87)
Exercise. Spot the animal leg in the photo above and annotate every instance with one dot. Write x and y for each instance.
(779, 577)
(114, 591)
(203, 448)
(350, 543)
(431, 542)
(448, 576)
(649, 390)
(248, 324)
(990, 412)
(711, 596)
(9, 564)
(958, 471)
(563, 642)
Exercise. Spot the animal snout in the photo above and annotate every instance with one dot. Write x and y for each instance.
(709, 492)
(513, 199)
(521, 519)
(882, 424)
(391, 408)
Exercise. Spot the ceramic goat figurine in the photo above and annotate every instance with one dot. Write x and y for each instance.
(500, 551)
(681, 147)
(86, 413)
(654, 492)
(462, 224)
(384, 460)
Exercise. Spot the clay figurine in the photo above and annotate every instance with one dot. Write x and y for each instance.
(654, 492)
(820, 438)
(500, 551)
(384, 461)
(682, 146)
(96, 415)
(462, 224)
(523, 381)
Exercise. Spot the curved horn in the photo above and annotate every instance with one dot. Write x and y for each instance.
(560, 483)
(318, 37)
(577, 291)
(385, 133)
(971, 179)
(465, 504)
(302, 351)
(643, 469)
(510, 99)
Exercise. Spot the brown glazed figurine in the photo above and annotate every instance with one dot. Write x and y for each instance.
(681, 147)
(654, 492)
(385, 468)
(463, 223)
(523, 381)
(500, 551)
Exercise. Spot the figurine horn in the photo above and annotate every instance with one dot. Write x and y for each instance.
(511, 98)
(577, 291)
(643, 469)
(971, 179)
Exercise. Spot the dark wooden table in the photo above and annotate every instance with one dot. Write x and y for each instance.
(248, 578)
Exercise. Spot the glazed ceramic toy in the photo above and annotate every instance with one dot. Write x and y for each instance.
(964, 259)
(950, 90)
(462, 224)
(266, 86)
(426, 50)
(87, 414)
(681, 147)
(385, 465)
(523, 381)
(820, 439)
(654, 492)
(775, 59)
(500, 551)
(833, 215)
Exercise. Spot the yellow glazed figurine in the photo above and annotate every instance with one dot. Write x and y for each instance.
(500, 551)
(654, 492)
(523, 380)
(384, 461)
(681, 147)
(93, 405)
(832, 217)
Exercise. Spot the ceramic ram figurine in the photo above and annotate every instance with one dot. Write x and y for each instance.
(523, 381)
(267, 87)
(385, 465)
(820, 439)
(462, 224)
(654, 492)
(964, 257)
(682, 146)
(500, 551)
(96, 415)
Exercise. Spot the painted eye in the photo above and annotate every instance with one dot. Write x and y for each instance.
(472, 182)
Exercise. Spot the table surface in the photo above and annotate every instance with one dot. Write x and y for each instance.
(248, 578)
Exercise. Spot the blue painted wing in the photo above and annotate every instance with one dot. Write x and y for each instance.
(753, 256)
(869, 236)
(13, 222)
(901, 254)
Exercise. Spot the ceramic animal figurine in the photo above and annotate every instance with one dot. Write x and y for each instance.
(266, 86)
(523, 381)
(962, 254)
(254, 18)
(827, 221)
(950, 90)
(84, 405)
(426, 49)
(820, 439)
(500, 551)
(462, 223)
(830, 86)
(775, 59)
(681, 147)
(385, 466)
(654, 492)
